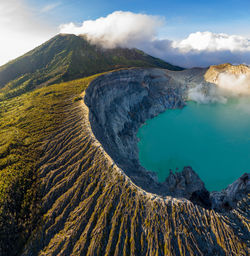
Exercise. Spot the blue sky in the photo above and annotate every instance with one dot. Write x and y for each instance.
(182, 17)
(189, 33)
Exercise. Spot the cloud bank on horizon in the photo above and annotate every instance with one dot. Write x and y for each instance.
(127, 29)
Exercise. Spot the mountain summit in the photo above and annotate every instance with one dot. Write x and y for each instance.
(66, 57)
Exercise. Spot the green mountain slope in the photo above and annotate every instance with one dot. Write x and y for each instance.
(68, 57)
(26, 123)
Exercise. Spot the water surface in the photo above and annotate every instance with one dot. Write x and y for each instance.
(212, 138)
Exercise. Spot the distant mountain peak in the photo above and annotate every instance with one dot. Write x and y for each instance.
(66, 57)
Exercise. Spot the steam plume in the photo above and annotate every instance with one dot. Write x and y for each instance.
(235, 85)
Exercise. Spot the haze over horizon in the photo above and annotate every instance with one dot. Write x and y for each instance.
(183, 33)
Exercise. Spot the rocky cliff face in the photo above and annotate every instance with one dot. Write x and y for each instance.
(120, 102)
(228, 198)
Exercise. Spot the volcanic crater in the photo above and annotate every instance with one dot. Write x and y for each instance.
(120, 102)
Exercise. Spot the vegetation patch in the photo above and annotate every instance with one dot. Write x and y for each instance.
(25, 123)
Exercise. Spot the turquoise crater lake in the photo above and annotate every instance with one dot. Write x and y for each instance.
(214, 139)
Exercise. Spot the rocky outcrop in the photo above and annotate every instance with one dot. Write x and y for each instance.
(120, 102)
(212, 74)
(228, 198)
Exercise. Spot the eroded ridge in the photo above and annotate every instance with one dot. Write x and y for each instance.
(91, 207)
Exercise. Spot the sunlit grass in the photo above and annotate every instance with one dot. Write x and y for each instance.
(25, 122)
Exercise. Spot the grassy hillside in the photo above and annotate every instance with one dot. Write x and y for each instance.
(25, 122)
(64, 58)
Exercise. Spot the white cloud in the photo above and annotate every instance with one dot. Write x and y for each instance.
(127, 29)
(118, 29)
(50, 7)
(207, 41)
